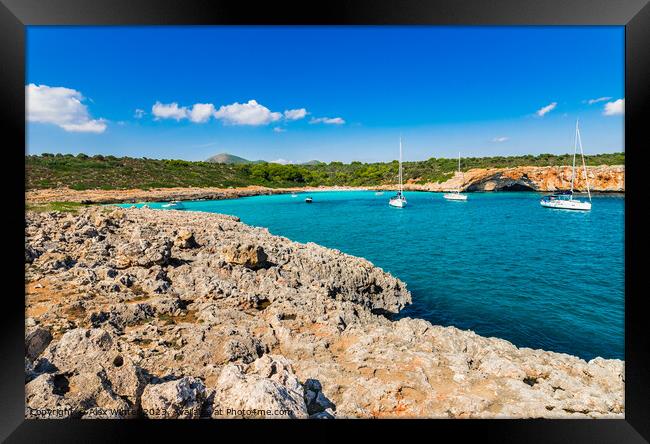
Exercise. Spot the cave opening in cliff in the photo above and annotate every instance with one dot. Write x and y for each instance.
(516, 187)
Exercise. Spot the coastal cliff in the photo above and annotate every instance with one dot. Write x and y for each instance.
(144, 313)
(601, 179)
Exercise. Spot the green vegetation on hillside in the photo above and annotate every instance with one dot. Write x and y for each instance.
(65, 207)
(109, 172)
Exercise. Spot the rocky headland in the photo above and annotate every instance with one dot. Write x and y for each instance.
(602, 179)
(172, 314)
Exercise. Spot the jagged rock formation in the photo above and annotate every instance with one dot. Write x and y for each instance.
(601, 179)
(144, 313)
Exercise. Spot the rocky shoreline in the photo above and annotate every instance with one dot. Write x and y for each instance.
(162, 194)
(175, 314)
(603, 179)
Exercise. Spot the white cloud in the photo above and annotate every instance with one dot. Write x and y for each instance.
(546, 109)
(500, 139)
(599, 99)
(250, 113)
(277, 129)
(139, 113)
(328, 120)
(169, 111)
(62, 107)
(201, 112)
(282, 161)
(295, 114)
(614, 108)
(90, 126)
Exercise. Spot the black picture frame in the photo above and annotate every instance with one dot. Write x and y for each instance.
(633, 14)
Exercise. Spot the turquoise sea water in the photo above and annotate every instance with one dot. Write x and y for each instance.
(498, 264)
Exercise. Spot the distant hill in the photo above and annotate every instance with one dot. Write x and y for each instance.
(230, 159)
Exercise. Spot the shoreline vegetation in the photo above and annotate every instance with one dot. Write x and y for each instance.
(64, 180)
(82, 172)
(144, 313)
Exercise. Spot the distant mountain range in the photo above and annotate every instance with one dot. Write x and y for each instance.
(232, 159)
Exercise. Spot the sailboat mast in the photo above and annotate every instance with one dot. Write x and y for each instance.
(575, 149)
(401, 189)
(459, 185)
(584, 165)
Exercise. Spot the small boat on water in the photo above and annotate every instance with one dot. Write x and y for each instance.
(294, 195)
(399, 201)
(174, 205)
(309, 200)
(456, 195)
(379, 193)
(564, 200)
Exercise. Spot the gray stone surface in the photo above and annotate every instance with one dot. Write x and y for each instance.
(192, 314)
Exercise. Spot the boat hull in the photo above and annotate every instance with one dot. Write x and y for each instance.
(456, 197)
(566, 204)
(174, 206)
(397, 203)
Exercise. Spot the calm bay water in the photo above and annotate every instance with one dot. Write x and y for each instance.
(498, 264)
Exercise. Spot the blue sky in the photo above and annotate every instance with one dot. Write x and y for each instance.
(327, 93)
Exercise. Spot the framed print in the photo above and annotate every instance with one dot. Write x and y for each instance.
(418, 214)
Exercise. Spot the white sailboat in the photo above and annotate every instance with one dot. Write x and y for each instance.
(174, 205)
(564, 200)
(399, 201)
(456, 195)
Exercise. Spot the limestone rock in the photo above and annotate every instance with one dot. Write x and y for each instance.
(91, 393)
(182, 399)
(89, 375)
(238, 320)
(44, 398)
(268, 388)
(185, 239)
(316, 401)
(603, 178)
(248, 255)
(36, 340)
(144, 253)
(80, 348)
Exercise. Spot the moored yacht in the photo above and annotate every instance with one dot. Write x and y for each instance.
(564, 200)
(399, 201)
(456, 195)
(174, 205)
